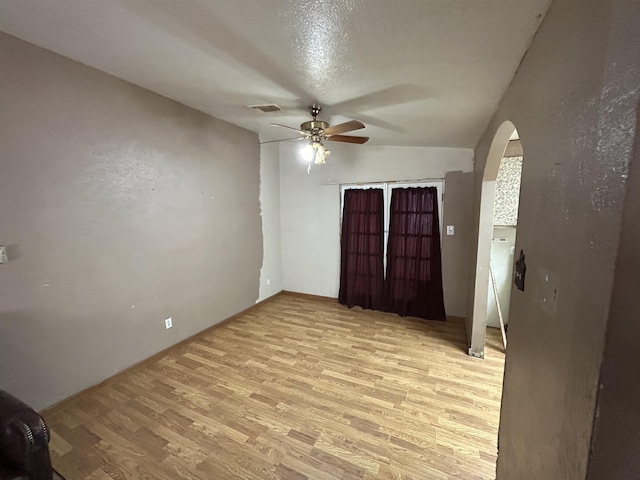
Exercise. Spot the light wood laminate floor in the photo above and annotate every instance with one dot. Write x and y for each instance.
(297, 388)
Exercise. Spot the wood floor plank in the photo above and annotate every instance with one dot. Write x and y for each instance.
(294, 389)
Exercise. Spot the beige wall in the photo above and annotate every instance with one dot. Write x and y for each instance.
(573, 101)
(310, 210)
(120, 208)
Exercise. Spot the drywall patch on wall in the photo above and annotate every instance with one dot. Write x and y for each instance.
(271, 271)
(507, 199)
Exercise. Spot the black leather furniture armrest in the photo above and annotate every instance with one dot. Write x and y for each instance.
(24, 442)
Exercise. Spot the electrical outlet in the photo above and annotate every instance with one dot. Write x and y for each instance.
(268, 281)
(168, 323)
(3, 254)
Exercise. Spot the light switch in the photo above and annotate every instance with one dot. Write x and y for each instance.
(451, 230)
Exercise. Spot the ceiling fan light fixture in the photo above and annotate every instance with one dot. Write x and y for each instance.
(315, 152)
(308, 153)
(321, 153)
(316, 131)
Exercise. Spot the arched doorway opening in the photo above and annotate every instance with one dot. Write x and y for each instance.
(504, 137)
(503, 244)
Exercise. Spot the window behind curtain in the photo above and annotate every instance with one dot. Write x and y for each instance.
(388, 188)
(414, 269)
(362, 249)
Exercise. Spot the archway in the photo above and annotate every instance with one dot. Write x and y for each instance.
(503, 244)
(485, 235)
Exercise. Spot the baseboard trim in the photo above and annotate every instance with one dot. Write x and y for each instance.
(156, 356)
(309, 296)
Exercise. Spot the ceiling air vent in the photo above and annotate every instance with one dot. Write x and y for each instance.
(266, 108)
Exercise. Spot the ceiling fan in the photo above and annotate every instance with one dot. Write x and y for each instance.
(316, 131)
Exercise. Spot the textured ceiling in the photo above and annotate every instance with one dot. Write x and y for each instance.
(416, 72)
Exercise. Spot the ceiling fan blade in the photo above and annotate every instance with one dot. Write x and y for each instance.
(348, 139)
(290, 128)
(344, 127)
(282, 140)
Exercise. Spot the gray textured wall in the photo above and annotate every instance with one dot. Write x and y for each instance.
(616, 443)
(120, 208)
(456, 265)
(573, 102)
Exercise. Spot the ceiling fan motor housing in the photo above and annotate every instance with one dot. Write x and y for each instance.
(315, 127)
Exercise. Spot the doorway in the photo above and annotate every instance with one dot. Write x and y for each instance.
(503, 242)
(505, 142)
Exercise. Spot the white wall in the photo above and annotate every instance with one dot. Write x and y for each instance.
(502, 258)
(310, 206)
(271, 271)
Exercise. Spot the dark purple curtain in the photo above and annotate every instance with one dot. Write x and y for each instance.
(361, 269)
(414, 268)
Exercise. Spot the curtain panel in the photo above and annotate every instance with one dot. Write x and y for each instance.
(362, 249)
(414, 267)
